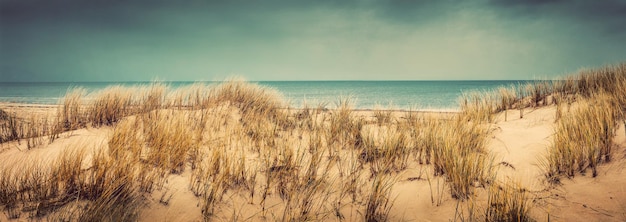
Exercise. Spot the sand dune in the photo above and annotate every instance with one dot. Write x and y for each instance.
(516, 144)
(543, 152)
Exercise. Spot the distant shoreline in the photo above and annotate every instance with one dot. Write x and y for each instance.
(420, 95)
(262, 81)
(395, 110)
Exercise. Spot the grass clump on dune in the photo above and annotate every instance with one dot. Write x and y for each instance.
(11, 128)
(583, 135)
(32, 127)
(459, 155)
(583, 139)
(3, 115)
(110, 105)
(71, 113)
(251, 99)
(169, 140)
(378, 201)
(508, 202)
(7, 127)
(478, 106)
(40, 187)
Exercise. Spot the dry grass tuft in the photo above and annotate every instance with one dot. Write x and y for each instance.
(169, 139)
(11, 128)
(379, 202)
(250, 98)
(387, 153)
(456, 149)
(3, 115)
(119, 201)
(110, 105)
(127, 139)
(383, 116)
(508, 202)
(31, 127)
(507, 98)
(195, 96)
(583, 139)
(71, 114)
(343, 129)
(477, 106)
(106, 190)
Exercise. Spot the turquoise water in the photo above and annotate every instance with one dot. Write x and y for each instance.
(423, 95)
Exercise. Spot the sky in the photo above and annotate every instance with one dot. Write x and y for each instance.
(205, 40)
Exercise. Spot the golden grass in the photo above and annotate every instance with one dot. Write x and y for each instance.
(458, 153)
(388, 154)
(110, 105)
(477, 106)
(126, 139)
(239, 143)
(3, 115)
(169, 139)
(507, 97)
(71, 112)
(383, 116)
(195, 96)
(11, 128)
(539, 92)
(583, 138)
(508, 202)
(105, 188)
(379, 203)
(253, 100)
(32, 127)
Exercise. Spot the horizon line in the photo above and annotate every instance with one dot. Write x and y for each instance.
(217, 81)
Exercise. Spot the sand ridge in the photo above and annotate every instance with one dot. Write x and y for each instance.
(517, 145)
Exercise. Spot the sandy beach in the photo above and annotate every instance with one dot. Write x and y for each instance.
(516, 145)
(547, 151)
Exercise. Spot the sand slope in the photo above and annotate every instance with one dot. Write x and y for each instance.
(518, 145)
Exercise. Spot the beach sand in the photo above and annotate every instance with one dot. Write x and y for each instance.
(517, 144)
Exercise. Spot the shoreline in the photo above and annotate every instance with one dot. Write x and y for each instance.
(27, 105)
(427, 110)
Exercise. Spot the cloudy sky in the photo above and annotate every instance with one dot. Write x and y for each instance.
(193, 40)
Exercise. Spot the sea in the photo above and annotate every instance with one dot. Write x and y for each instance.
(399, 95)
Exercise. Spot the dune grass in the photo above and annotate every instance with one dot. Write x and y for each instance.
(71, 112)
(110, 105)
(39, 187)
(35, 129)
(478, 106)
(508, 202)
(378, 201)
(583, 138)
(301, 154)
(11, 128)
(240, 142)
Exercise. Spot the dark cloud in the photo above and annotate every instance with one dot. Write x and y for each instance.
(65, 39)
(416, 12)
(524, 2)
(117, 12)
(607, 16)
